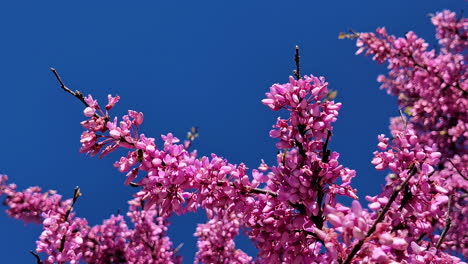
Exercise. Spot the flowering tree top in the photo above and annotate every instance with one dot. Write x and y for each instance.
(290, 210)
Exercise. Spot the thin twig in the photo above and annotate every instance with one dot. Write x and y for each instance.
(459, 172)
(325, 150)
(441, 79)
(38, 259)
(76, 194)
(76, 93)
(448, 223)
(311, 234)
(177, 249)
(297, 71)
(357, 247)
(253, 190)
(133, 184)
(403, 119)
(262, 191)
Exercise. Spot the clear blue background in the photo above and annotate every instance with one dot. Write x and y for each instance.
(182, 63)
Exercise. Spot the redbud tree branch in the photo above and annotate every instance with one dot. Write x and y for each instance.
(194, 131)
(76, 93)
(297, 72)
(38, 259)
(459, 172)
(441, 79)
(448, 223)
(76, 194)
(412, 171)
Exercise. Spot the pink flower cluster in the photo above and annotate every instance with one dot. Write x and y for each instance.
(432, 88)
(216, 241)
(29, 204)
(69, 239)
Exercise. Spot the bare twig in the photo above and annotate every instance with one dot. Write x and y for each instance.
(441, 79)
(311, 234)
(38, 259)
(76, 93)
(262, 191)
(76, 194)
(297, 71)
(325, 150)
(133, 184)
(459, 172)
(177, 249)
(403, 119)
(448, 223)
(380, 218)
(253, 190)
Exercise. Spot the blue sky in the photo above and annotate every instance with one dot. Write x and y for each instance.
(182, 63)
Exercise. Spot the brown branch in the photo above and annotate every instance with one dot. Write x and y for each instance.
(403, 119)
(459, 172)
(177, 249)
(252, 190)
(38, 259)
(133, 184)
(76, 93)
(311, 234)
(441, 79)
(357, 247)
(448, 223)
(263, 191)
(325, 150)
(76, 194)
(297, 71)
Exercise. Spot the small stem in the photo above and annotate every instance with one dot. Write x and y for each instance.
(253, 190)
(133, 184)
(403, 119)
(459, 172)
(76, 194)
(412, 171)
(312, 234)
(448, 223)
(38, 259)
(75, 93)
(325, 150)
(297, 72)
(424, 67)
(177, 249)
(262, 191)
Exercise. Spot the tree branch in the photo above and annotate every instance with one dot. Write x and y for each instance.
(76, 93)
(459, 172)
(38, 259)
(357, 247)
(76, 194)
(448, 223)
(297, 71)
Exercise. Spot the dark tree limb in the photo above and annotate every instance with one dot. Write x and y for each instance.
(448, 223)
(459, 172)
(380, 218)
(38, 259)
(297, 71)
